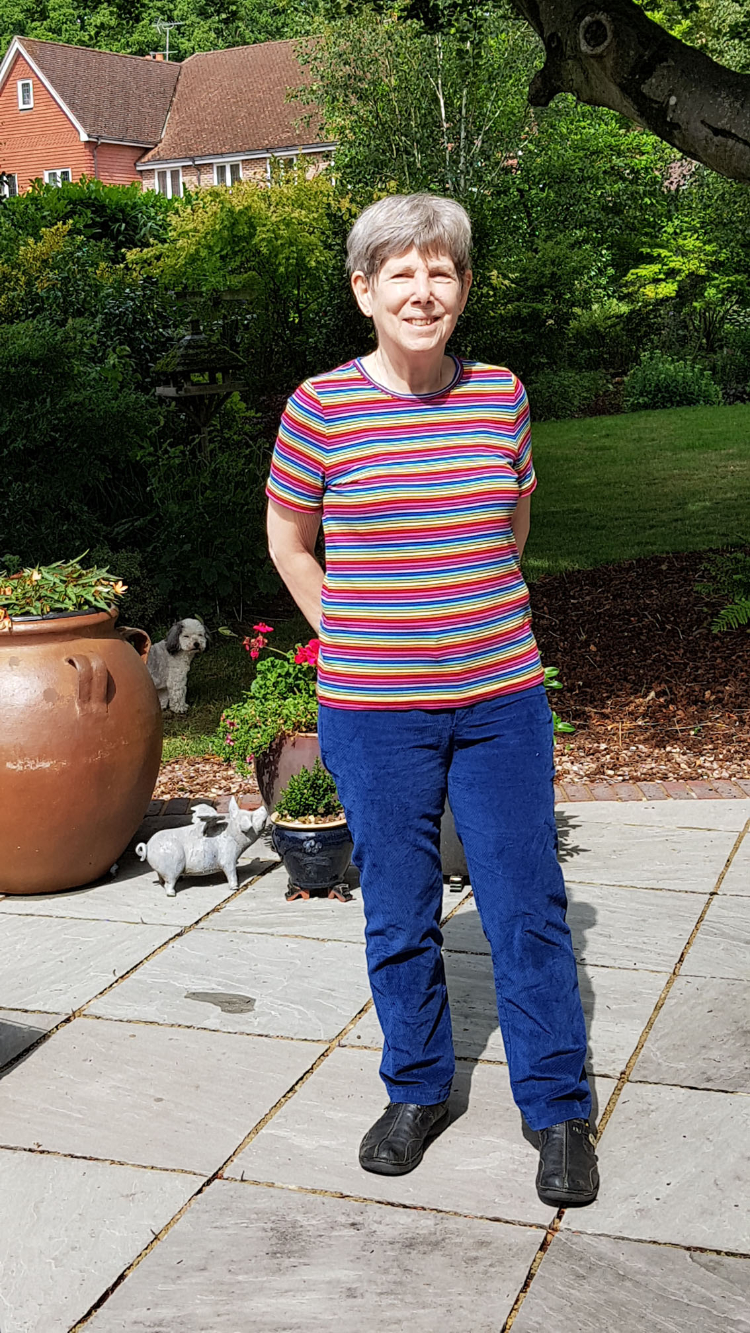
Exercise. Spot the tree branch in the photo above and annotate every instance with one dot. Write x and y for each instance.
(609, 53)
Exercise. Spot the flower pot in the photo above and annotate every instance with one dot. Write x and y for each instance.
(316, 856)
(282, 761)
(80, 748)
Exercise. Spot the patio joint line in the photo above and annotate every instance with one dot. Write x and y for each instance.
(549, 1236)
(104, 1161)
(79, 1012)
(218, 1173)
(646, 888)
(385, 1203)
(625, 1075)
(196, 1027)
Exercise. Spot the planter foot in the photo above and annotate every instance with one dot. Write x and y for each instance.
(339, 892)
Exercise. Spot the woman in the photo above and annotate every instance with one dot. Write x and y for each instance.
(430, 683)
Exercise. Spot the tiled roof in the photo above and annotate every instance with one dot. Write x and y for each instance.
(117, 97)
(234, 101)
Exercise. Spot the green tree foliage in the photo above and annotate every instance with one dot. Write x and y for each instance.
(594, 244)
(128, 26)
(282, 251)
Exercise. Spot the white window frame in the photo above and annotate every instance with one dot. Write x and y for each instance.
(58, 172)
(5, 190)
(168, 173)
(226, 167)
(20, 85)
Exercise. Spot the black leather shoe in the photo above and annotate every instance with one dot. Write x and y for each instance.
(567, 1173)
(397, 1141)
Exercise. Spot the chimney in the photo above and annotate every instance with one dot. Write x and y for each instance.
(158, 55)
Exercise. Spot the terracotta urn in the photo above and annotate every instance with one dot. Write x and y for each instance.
(80, 748)
(283, 760)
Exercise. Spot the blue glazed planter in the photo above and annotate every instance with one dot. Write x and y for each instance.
(316, 856)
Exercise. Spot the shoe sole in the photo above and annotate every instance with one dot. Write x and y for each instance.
(568, 1200)
(392, 1169)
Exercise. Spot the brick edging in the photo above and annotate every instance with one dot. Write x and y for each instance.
(718, 790)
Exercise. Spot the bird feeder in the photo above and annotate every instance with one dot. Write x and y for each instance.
(199, 375)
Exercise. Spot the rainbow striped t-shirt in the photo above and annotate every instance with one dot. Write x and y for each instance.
(424, 605)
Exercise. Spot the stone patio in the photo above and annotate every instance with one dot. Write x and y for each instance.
(186, 1081)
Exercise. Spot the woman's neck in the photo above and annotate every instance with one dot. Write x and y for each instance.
(405, 375)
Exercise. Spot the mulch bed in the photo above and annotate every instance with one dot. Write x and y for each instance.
(653, 694)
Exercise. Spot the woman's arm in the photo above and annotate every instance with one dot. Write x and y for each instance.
(521, 522)
(291, 545)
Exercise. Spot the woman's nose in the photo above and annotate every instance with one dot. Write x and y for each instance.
(422, 290)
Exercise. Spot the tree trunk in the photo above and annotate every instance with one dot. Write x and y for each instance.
(617, 57)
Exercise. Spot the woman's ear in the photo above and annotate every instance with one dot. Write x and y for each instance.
(362, 295)
(468, 279)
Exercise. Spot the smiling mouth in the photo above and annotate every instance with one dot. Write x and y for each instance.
(423, 323)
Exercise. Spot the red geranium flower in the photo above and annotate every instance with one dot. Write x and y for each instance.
(263, 629)
(307, 654)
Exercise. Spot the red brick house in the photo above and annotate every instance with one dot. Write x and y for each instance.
(221, 116)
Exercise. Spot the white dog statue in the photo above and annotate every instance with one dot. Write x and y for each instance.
(211, 843)
(170, 660)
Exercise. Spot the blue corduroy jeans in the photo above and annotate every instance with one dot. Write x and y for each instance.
(393, 769)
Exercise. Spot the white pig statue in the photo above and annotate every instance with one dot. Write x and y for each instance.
(211, 843)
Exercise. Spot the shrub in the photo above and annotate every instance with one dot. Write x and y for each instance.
(556, 394)
(659, 381)
(309, 794)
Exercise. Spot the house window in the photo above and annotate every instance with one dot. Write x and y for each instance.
(169, 183)
(25, 94)
(228, 173)
(59, 177)
(8, 185)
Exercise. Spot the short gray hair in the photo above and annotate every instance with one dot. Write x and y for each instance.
(391, 226)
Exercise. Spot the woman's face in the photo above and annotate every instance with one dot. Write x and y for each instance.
(414, 301)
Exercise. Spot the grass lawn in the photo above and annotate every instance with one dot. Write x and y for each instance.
(610, 488)
(644, 483)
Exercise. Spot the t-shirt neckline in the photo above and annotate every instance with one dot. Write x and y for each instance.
(413, 397)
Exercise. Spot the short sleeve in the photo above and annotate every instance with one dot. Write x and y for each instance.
(297, 477)
(524, 464)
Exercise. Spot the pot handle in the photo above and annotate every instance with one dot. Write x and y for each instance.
(139, 639)
(93, 683)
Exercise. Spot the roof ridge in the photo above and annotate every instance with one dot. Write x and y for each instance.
(243, 46)
(73, 46)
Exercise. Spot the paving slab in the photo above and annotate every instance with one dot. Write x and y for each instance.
(480, 1165)
(263, 909)
(722, 945)
(701, 1038)
(58, 964)
(594, 1284)
(146, 1095)
(69, 1228)
(272, 1261)
(234, 982)
(732, 815)
(617, 1005)
(686, 859)
(19, 1029)
(674, 1168)
(610, 926)
(737, 878)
